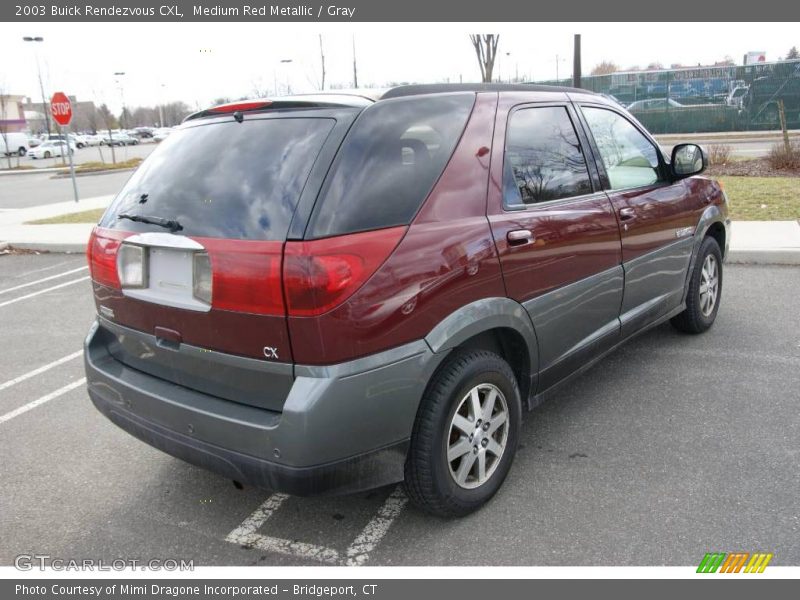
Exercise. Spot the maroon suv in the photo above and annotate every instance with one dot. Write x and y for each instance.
(327, 293)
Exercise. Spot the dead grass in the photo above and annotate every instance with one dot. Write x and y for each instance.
(762, 198)
(87, 216)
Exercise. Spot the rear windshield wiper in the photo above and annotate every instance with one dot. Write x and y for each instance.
(170, 224)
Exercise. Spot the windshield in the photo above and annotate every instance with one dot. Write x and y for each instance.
(225, 180)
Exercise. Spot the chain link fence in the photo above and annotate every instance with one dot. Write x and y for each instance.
(705, 99)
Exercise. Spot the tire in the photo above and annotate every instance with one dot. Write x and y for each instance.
(431, 481)
(698, 317)
(21, 152)
(47, 155)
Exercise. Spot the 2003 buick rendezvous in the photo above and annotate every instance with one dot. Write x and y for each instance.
(350, 293)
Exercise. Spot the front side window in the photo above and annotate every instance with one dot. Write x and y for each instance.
(629, 158)
(543, 159)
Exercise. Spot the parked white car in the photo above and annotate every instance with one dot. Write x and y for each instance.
(51, 149)
(14, 143)
(159, 135)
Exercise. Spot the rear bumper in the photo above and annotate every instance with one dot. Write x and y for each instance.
(343, 428)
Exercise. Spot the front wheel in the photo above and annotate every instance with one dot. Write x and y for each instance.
(705, 290)
(465, 434)
(47, 155)
(21, 152)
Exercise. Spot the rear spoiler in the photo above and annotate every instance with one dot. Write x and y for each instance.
(286, 102)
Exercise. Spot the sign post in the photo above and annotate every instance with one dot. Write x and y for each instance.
(61, 109)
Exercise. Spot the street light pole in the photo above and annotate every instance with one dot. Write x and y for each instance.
(120, 74)
(45, 108)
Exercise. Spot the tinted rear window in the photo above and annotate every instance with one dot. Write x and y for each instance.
(225, 180)
(389, 162)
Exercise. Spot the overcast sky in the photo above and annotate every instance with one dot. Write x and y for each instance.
(198, 62)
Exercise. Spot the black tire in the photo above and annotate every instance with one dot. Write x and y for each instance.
(47, 154)
(695, 319)
(428, 479)
(21, 152)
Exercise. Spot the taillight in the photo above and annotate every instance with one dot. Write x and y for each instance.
(245, 275)
(102, 255)
(239, 106)
(319, 275)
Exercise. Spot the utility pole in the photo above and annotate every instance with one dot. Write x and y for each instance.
(355, 70)
(576, 62)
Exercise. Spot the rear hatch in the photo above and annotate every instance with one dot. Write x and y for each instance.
(186, 263)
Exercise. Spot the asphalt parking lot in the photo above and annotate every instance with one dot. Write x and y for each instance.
(672, 447)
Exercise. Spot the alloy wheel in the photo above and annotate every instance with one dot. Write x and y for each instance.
(709, 285)
(478, 435)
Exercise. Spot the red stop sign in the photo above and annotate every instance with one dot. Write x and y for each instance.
(61, 108)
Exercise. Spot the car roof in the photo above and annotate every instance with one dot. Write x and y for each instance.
(361, 98)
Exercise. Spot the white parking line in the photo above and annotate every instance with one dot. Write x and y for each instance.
(48, 267)
(24, 285)
(44, 291)
(356, 554)
(374, 532)
(40, 370)
(39, 401)
(247, 534)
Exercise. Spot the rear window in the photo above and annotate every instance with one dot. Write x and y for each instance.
(225, 180)
(389, 162)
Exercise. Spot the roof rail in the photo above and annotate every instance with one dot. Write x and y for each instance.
(440, 88)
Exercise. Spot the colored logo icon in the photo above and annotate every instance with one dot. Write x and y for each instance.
(735, 562)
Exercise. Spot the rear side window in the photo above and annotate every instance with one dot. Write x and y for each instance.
(543, 159)
(389, 162)
(225, 180)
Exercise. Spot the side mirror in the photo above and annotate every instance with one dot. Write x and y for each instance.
(688, 160)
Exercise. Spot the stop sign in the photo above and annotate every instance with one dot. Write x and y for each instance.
(61, 108)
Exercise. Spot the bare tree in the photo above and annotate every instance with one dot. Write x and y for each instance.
(322, 61)
(486, 51)
(110, 121)
(355, 69)
(793, 53)
(605, 68)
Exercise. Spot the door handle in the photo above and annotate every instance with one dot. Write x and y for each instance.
(519, 237)
(627, 214)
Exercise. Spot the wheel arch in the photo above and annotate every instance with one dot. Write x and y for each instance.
(500, 325)
(713, 222)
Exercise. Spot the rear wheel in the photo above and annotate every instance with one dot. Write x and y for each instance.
(465, 435)
(47, 154)
(705, 290)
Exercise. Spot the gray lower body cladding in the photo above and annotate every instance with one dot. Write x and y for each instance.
(342, 428)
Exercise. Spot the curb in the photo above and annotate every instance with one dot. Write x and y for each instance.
(786, 256)
(62, 175)
(33, 171)
(53, 247)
